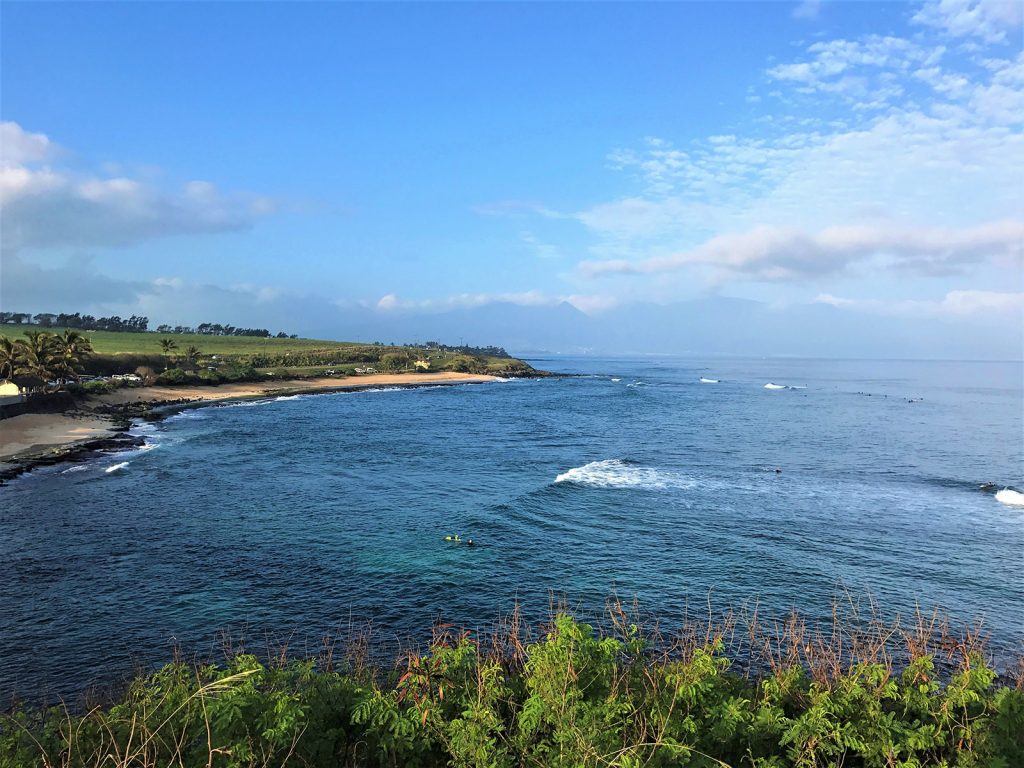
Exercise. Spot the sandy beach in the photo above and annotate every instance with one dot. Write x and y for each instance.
(34, 433)
(283, 387)
(28, 435)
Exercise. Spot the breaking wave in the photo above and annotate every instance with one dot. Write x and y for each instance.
(1011, 497)
(116, 467)
(772, 385)
(615, 473)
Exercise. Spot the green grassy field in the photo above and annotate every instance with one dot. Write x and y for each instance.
(123, 352)
(114, 343)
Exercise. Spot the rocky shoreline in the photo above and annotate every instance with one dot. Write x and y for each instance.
(90, 449)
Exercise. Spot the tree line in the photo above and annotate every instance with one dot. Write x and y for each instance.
(44, 356)
(135, 323)
(216, 329)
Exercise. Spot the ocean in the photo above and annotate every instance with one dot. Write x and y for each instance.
(290, 519)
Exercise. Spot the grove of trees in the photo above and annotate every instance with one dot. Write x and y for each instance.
(44, 356)
(135, 323)
(76, 320)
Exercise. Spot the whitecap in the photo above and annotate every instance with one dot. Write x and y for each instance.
(616, 380)
(771, 385)
(76, 468)
(193, 413)
(242, 404)
(615, 473)
(142, 428)
(116, 467)
(1011, 497)
(708, 381)
(288, 397)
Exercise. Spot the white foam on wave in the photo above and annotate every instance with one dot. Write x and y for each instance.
(708, 381)
(1010, 497)
(76, 468)
(615, 473)
(189, 415)
(242, 404)
(772, 385)
(637, 384)
(116, 467)
(289, 397)
(616, 379)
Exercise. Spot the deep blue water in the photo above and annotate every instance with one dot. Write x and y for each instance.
(302, 514)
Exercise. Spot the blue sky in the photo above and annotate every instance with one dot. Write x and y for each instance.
(197, 159)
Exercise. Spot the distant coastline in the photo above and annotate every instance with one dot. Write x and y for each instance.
(100, 424)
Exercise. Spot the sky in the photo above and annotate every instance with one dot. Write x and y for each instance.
(299, 165)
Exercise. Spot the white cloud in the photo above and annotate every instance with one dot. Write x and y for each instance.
(977, 302)
(961, 303)
(45, 206)
(848, 67)
(989, 20)
(897, 138)
(767, 253)
(807, 9)
(540, 248)
(18, 146)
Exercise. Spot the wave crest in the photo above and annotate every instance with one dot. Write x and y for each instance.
(615, 473)
(1011, 497)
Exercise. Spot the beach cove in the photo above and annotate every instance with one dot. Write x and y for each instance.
(31, 438)
(300, 515)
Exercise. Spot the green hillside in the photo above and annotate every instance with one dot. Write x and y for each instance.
(124, 351)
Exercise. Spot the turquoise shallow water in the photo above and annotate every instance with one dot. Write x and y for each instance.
(297, 516)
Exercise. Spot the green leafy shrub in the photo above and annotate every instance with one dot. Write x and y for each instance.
(97, 387)
(173, 376)
(571, 697)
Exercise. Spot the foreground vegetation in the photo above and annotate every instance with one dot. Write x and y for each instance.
(566, 696)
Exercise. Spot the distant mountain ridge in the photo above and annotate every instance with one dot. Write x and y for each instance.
(711, 326)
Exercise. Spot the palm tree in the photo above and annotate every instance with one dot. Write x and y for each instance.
(36, 356)
(70, 348)
(8, 357)
(166, 347)
(191, 354)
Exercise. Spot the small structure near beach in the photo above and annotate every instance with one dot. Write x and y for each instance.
(10, 393)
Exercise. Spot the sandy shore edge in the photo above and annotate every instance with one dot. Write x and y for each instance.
(37, 435)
